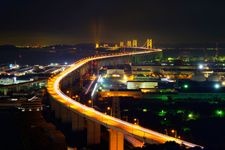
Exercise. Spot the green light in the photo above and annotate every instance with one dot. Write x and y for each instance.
(170, 59)
(186, 86)
(162, 113)
(186, 129)
(219, 113)
(180, 111)
(190, 116)
(145, 110)
(164, 97)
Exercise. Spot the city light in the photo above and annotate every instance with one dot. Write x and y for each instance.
(109, 110)
(174, 133)
(125, 78)
(219, 113)
(115, 75)
(162, 113)
(136, 121)
(192, 116)
(186, 86)
(90, 103)
(101, 80)
(217, 86)
(200, 66)
(223, 83)
(144, 110)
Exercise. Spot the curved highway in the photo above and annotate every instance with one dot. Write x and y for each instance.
(126, 128)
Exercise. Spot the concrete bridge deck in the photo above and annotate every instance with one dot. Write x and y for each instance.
(118, 128)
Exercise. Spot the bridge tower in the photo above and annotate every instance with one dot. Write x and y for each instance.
(149, 43)
(134, 43)
(121, 44)
(97, 45)
(129, 43)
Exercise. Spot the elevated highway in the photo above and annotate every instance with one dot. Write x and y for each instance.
(70, 110)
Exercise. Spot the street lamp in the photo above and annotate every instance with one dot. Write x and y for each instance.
(76, 97)
(136, 121)
(174, 132)
(68, 93)
(90, 103)
(186, 86)
(217, 86)
(109, 109)
(200, 66)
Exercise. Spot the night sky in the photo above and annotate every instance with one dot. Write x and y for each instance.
(74, 21)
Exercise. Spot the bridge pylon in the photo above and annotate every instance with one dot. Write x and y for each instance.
(93, 132)
(116, 140)
(129, 44)
(149, 43)
(134, 43)
(121, 44)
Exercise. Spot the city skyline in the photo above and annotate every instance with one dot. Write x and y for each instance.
(71, 22)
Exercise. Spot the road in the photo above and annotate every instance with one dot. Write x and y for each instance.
(126, 128)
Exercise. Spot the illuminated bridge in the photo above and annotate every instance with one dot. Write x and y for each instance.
(68, 110)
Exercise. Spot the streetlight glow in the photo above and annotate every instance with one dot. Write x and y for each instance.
(217, 86)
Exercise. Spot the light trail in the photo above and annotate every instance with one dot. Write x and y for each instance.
(126, 128)
(89, 87)
(95, 88)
